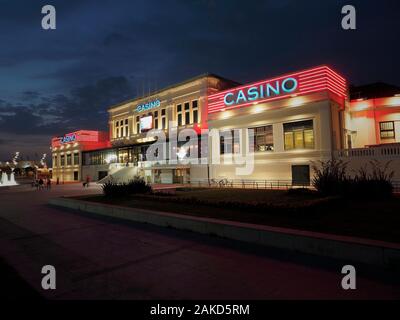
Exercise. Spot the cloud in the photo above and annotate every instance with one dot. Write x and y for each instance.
(83, 108)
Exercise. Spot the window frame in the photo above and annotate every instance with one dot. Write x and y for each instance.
(255, 138)
(295, 132)
(387, 130)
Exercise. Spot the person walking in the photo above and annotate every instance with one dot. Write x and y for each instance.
(41, 182)
(48, 184)
(87, 181)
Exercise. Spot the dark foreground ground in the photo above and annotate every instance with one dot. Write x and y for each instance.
(105, 259)
(364, 218)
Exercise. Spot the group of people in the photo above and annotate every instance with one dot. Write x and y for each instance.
(41, 183)
(45, 183)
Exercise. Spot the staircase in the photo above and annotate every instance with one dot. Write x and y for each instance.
(121, 175)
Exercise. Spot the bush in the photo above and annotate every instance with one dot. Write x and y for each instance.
(331, 179)
(135, 186)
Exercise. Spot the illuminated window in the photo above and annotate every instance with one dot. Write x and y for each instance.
(62, 160)
(263, 139)
(299, 135)
(387, 130)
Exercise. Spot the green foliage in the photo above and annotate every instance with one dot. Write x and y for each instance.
(135, 186)
(331, 178)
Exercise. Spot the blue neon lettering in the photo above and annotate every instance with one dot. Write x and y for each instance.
(295, 84)
(226, 99)
(148, 105)
(253, 94)
(241, 96)
(67, 139)
(275, 90)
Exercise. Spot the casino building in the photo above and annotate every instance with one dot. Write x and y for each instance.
(283, 125)
(172, 109)
(67, 153)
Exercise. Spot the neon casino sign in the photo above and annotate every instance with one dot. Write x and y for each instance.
(262, 91)
(303, 82)
(148, 105)
(68, 138)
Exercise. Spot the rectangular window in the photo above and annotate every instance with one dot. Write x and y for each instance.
(263, 139)
(187, 117)
(195, 110)
(179, 114)
(187, 113)
(137, 124)
(299, 135)
(126, 128)
(387, 130)
(62, 160)
(195, 116)
(76, 159)
(229, 142)
(69, 159)
(163, 119)
(155, 119)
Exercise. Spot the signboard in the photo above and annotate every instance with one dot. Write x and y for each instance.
(265, 90)
(148, 105)
(146, 123)
(299, 83)
(68, 138)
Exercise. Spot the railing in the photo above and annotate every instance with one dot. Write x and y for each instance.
(261, 184)
(396, 186)
(392, 150)
(249, 184)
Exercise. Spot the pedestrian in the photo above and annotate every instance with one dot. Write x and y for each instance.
(41, 182)
(58, 181)
(87, 181)
(48, 184)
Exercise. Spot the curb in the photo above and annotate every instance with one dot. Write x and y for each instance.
(371, 252)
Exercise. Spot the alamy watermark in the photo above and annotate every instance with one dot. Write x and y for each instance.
(231, 147)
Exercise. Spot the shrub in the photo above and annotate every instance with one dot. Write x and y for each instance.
(135, 186)
(331, 179)
(376, 184)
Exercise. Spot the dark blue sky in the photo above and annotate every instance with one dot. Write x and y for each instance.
(103, 52)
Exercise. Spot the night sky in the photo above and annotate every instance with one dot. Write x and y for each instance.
(104, 52)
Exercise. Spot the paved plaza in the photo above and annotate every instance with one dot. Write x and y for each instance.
(99, 258)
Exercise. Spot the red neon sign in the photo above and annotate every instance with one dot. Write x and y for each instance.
(300, 83)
